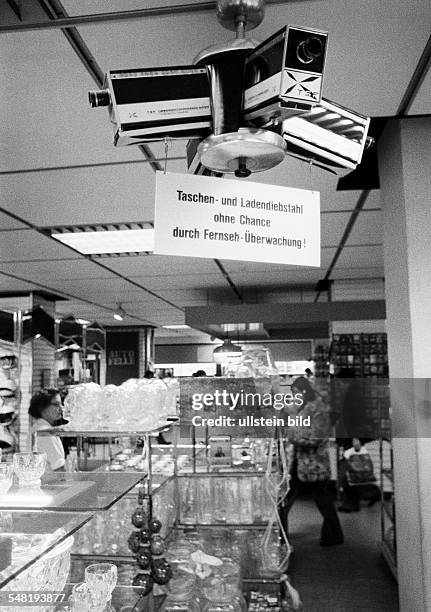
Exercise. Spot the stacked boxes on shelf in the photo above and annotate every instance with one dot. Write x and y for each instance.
(321, 361)
(365, 354)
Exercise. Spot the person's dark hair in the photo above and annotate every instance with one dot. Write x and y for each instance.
(40, 401)
(200, 373)
(302, 385)
(148, 374)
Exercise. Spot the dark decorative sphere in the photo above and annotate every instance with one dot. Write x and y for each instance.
(162, 573)
(143, 558)
(143, 584)
(154, 525)
(157, 545)
(139, 517)
(158, 562)
(145, 536)
(134, 541)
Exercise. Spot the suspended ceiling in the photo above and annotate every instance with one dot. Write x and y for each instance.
(58, 165)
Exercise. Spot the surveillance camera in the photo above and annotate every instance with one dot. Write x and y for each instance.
(284, 75)
(329, 135)
(149, 104)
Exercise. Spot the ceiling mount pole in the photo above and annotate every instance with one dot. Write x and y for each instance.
(243, 14)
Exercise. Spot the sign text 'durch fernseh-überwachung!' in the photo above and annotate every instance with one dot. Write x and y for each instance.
(228, 219)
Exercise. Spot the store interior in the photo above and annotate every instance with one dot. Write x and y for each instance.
(148, 510)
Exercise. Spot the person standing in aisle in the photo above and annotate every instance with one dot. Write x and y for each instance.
(357, 478)
(46, 411)
(311, 460)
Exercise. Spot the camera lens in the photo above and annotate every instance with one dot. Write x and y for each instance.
(309, 49)
(99, 98)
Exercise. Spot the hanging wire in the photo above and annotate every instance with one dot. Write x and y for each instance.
(167, 141)
(310, 166)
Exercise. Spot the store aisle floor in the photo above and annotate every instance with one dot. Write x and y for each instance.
(352, 577)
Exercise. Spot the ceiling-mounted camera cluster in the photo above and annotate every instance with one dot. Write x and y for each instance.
(244, 106)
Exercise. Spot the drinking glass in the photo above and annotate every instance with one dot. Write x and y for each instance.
(101, 579)
(29, 468)
(80, 598)
(6, 474)
(204, 505)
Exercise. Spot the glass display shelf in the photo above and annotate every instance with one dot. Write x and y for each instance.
(65, 432)
(73, 492)
(26, 537)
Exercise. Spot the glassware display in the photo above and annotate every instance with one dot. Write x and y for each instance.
(255, 362)
(222, 602)
(95, 539)
(80, 598)
(29, 467)
(137, 404)
(100, 579)
(47, 574)
(223, 586)
(6, 475)
(182, 595)
(223, 499)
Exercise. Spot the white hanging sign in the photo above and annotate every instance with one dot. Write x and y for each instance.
(202, 216)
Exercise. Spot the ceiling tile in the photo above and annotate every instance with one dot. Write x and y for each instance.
(365, 257)
(155, 265)
(59, 270)
(8, 223)
(368, 229)
(27, 245)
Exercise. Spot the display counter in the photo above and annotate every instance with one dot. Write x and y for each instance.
(32, 543)
(199, 509)
(73, 492)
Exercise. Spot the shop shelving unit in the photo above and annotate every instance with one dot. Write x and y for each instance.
(126, 484)
(159, 490)
(387, 544)
(321, 360)
(366, 354)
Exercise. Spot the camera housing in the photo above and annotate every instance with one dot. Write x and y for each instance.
(284, 75)
(329, 135)
(150, 104)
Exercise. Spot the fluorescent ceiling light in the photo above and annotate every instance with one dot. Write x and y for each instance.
(176, 326)
(119, 314)
(106, 242)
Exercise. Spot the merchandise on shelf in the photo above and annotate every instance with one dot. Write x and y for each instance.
(49, 573)
(365, 354)
(107, 533)
(321, 361)
(253, 362)
(10, 396)
(223, 499)
(242, 545)
(136, 405)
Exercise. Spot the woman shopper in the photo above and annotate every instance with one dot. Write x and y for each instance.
(46, 410)
(311, 460)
